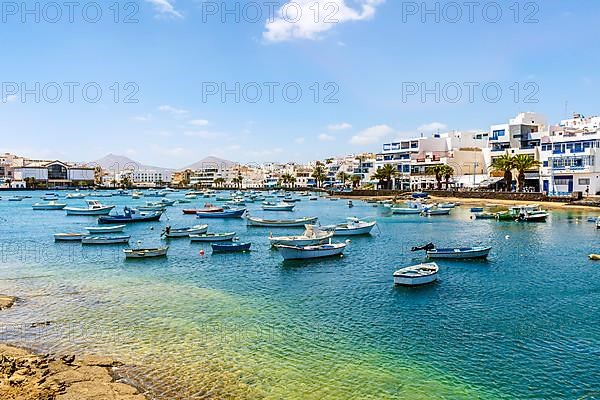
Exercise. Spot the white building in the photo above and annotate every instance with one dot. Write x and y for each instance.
(54, 173)
(570, 157)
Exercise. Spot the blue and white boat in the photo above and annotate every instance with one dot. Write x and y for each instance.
(94, 207)
(269, 206)
(454, 253)
(184, 232)
(417, 275)
(130, 216)
(226, 213)
(51, 205)
(105, 229)
(213, 237)
(105, 239)
(308, 252)
(411, 207)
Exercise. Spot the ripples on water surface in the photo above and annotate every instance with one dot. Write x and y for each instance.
(524, 324)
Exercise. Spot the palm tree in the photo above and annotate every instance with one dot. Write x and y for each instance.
(319, 174)
(219, 181)
(98, 175)
(505, 164)
(522, 163)
(355, 179)
(441, 171)
(386, 174)
(342, 176)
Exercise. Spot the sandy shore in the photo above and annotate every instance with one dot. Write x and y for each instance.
(27, 376)
(482, 202)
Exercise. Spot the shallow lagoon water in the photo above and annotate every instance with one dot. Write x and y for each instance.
(524, 324)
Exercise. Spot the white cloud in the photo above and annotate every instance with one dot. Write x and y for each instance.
(432, 127)
(203, 134)
(299, 19)
(198, 122)
(371, 135)
(299, 140)
(165, 8)
(172, 110)
(325, 138)
(339, 127)
(143, 118)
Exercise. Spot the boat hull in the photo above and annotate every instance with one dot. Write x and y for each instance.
(216, 237)
(128, 220)
(68, 237)
(417, 275)
(48, 207)
(459, 253)
(108, 229)
(179, 233)
(84, 211)
(281, 223)
(310, 252)
(145, 253)
(221, 214)
(230, 248)
(102, 240)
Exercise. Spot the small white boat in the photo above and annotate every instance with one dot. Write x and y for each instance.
(51, 205)
(278, 207)
(105, 229)
(417, 275)
(312, 236)
(434, 211)
(105, 239)
(50, 197)
(308, 252)
(353, 227)
(146, 253)
(94, 207)
(185, 232)
(159, 206)
(411, 207)
(75, 196)
(530, 213)
(213, 237)
(283, 223)
(68, 237)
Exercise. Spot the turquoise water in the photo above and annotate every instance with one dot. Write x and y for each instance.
(525, 324)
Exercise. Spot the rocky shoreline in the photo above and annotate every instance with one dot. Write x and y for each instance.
(27, 376)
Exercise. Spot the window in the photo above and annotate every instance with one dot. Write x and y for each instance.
(563, 181)
(545, 163)
(57, 172)
(584, 181)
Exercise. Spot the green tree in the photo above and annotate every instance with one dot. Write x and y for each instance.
(504, 164)
(319, 174)
(386, 174)
(219, 182)
(522, 163)
(355, 179)
(342, 176)
(441, 171)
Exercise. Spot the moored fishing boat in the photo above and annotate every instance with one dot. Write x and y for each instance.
(230, 247)
(268, 206)
(447, 205)
(435, 211)
(454, 253)
(352, 227)
(283, 223)
(484, 215)
(213, 237)
(184, 232)
(417, 275)
(476, 209)
(94, 207)
(76, 196)
(68, 237)
(312, 236)
(225, 213)
(529, 213)
(105, 229)
(149, 206)
(105, 239)
(208, 208)
(130, 216)
(51, 205)
(411, 207)
(309, 252)
(146, 253)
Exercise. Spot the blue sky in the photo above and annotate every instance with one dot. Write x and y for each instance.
(372, 51)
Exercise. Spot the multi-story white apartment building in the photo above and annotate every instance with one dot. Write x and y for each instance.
(52, 173)
(413, 157)
(145, 178)
(570, 157)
